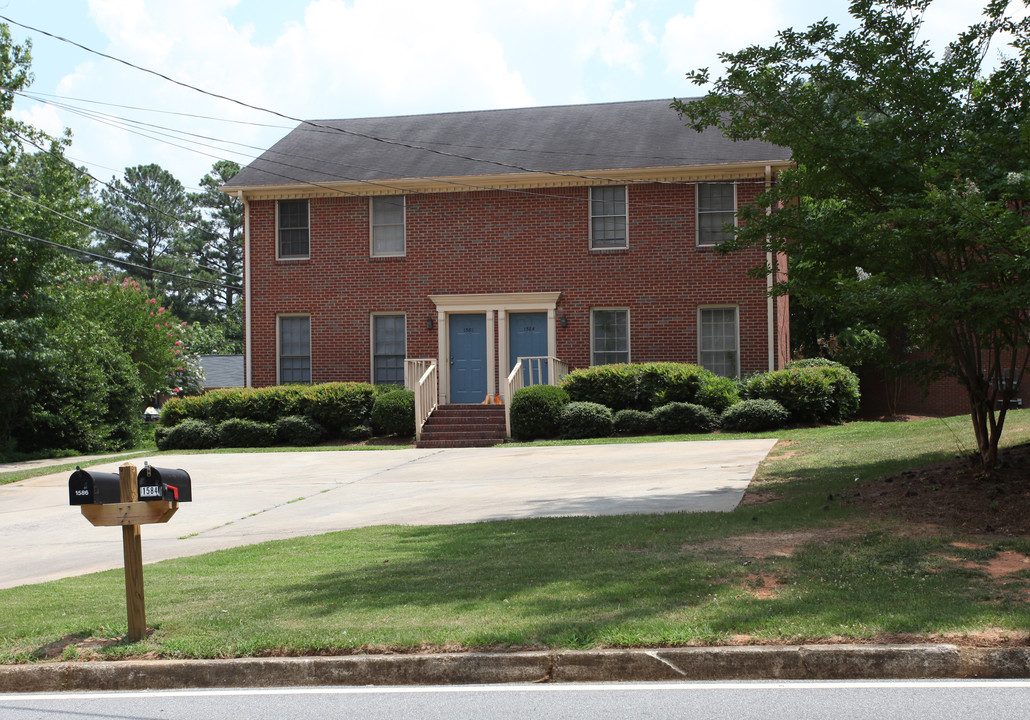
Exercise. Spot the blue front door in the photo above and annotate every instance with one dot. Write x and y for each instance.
(468, 358)
(527, 333)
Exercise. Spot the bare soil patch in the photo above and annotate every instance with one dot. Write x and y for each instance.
(958, 495)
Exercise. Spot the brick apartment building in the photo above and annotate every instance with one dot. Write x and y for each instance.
(585, 233)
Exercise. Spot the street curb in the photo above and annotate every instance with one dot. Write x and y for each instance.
(805, 662)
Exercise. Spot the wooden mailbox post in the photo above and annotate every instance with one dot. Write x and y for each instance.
(130, 513)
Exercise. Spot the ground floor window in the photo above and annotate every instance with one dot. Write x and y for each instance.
(388, 349)
(294, 349)
(609, 336)
(718, 340)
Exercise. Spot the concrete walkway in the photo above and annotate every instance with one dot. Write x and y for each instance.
(240, 499)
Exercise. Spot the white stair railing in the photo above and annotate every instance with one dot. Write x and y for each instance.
(422, 377)
(533, 367)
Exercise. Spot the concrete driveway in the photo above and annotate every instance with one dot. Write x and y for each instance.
(249, 498)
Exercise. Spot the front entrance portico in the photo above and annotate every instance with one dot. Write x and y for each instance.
(457, 348)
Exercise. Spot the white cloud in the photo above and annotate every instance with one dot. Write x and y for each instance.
(693, 41)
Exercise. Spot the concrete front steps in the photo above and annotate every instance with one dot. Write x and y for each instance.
(458, 426)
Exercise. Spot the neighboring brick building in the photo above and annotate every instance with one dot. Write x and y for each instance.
(582, 232)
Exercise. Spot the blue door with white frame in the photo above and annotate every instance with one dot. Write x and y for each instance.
(527, 337)
(467, 334)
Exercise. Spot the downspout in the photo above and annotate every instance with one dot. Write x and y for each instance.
(248, 344)
(769, 286)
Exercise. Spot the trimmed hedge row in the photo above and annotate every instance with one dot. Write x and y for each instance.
(674, 398)
(646, 386)
(288, 414)
(813, 391)
(335, 406)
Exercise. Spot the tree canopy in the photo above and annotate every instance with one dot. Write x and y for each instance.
(911, 184)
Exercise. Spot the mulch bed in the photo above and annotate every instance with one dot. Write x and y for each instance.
(959, 495)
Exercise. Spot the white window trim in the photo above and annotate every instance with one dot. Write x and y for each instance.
(372, 227)
(278, 240)
(279, 344)
(697, 211)
(736, 309)
(372, 341)
(629, 332)
(590, 218)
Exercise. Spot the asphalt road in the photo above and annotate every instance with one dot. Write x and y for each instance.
(799, 700)
(240, 499)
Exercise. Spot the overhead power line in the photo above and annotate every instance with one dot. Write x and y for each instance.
(105, 232)
(322, 126)
(116, 261)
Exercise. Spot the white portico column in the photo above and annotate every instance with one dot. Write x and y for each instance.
(491, 355)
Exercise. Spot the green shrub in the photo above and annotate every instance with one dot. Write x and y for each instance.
(645, 386)
(239, 433)
(160, 436)
(634, 422)
(359, 432)
(191, 434)
(814, 362)
(614, 386)
(228, 404)
(811, 394)
(299, 430)
(536, 411)
(393, 413)
(586, 420)
(177, 409)
(754, 416)
(337, 406)
(679, 417)
(718, 393)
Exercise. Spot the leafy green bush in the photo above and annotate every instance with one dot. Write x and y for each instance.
(246, 433)
(614, 386)
(160, 436)
(338, 406)
(666, 382)
(634, 422)
(645, 386)
(536, 411)
(814, 362)
(754, 416)
(679, 417)
(191, 435)
(586, 420)
(393, 413)
(813, 394)
(359, 432)
(718, 393)
(299, 430)
(177, 409)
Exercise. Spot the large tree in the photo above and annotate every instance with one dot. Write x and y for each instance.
(911, 181)
(146, 215)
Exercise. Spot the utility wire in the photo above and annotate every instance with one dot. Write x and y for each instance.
(130, 243)
(321, 126)
(116, 261)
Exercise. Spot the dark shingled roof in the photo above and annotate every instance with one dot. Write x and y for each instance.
(569, 138)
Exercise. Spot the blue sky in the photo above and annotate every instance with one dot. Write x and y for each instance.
(318, 59)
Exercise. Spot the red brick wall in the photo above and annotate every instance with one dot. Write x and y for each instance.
(502, 242)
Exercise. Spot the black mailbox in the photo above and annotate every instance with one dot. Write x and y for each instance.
(164, 484)
(86, 487)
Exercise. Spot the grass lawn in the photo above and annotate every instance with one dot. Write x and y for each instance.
(800, 560)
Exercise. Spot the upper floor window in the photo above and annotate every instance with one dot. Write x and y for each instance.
(388, 225)
(607, 217)
(716, 208)
(293, 227)
(294, 349)
(609, 336)
(718, 340)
